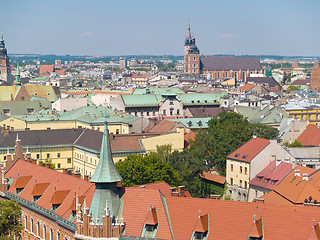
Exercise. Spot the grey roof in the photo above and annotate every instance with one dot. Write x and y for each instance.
(270, 81)
(230, 63)
(305, 152)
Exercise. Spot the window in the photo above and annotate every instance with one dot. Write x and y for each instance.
(148, 114)
(245, 170)
(237, 155)
(141, 113)
(31, 225)
(4, 158)
(117, 131)
(198, 235)
(240, 169)
(226, 74)
(171, 103)
(6, 111)
(240, 183)
(231, 181)
(38, 228)
(30, 111)
(154, 112)
(245, 184)
(171, 111)
(51, 234)
(164, 112)
(25, 222)
(44, 232)
(48, 155)
(231, 167)
(58, 235)
(58, 155)
(59, 165)
(178, 111)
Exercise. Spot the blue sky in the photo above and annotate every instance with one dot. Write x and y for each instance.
(125, 27)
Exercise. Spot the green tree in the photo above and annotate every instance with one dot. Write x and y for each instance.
(51, 164)
(137, 169)
(264, 131)
(296, 143)
(10, 213)
(164, 151)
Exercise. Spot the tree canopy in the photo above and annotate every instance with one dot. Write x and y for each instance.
(10, 213)
(139, 169)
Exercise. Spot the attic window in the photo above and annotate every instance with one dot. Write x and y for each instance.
(205, 101)
(48, 93)
(245, 156)
(192, 101)
(36, 93)
(237, 155)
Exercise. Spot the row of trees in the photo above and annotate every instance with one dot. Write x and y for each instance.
(226, 133)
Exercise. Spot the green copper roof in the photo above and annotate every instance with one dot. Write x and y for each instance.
(200, 98)
(106, 171)
(140, 100)
(192, 123)
(160, 91)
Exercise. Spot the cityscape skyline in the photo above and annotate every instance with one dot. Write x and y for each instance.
(159, 28)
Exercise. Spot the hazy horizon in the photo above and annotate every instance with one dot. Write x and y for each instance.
(103, 28)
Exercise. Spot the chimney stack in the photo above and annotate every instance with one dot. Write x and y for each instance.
(181, 191)
(47, 165)
(215, 196)
(305, 177)
(297, 173)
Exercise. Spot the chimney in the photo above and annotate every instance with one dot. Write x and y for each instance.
(65, 171)
(40, 163)
(258, 200)
(297, 173)
(305, 177)
(47, 165)
(181, 191)
(174, 192)
(28, 155)
(215, 196)
(76, 174)
(86, 177)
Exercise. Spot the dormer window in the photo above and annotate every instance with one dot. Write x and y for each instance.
(237, 155)
(245, 156)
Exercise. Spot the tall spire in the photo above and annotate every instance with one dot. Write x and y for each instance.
(106, 177)
(106, 171)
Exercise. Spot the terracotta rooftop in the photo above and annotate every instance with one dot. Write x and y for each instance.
(311, 136)
(271, 175)
(247, 87)
(293, 189)
(249, 150)
(57, 182)
(160, 126)
(21, 182)
(213, 177)
(46, 68)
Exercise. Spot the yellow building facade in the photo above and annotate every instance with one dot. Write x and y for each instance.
(311, 114)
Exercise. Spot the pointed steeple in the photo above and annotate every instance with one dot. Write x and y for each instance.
(106, 171)
(106, 177)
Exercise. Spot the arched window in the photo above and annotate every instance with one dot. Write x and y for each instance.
(38, 228)
(51, 234)
(31, 225)
(44, 232)
(25, 222)
(58, 235)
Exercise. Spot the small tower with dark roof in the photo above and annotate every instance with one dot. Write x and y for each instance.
(191, 59)
(315, 77)
(106, 178)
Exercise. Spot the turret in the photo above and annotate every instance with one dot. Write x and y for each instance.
(106, 177)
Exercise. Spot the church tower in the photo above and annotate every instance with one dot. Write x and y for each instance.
(18, 80)
(5, 74)
(315, 77)
(191, 59)
(106, 178)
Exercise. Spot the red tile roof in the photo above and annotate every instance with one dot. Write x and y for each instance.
(311, 136)
(271, 175)
(46, 68)
(60, 72)
(57, 181)
(233, 220)
(39, 189)
(163, 187)
(294, 189)
(190, 135)
(250, 149)
(136, 208)
(152, 218)
(247, 87)
(256, 230)
(213, 177)
(21, 182)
